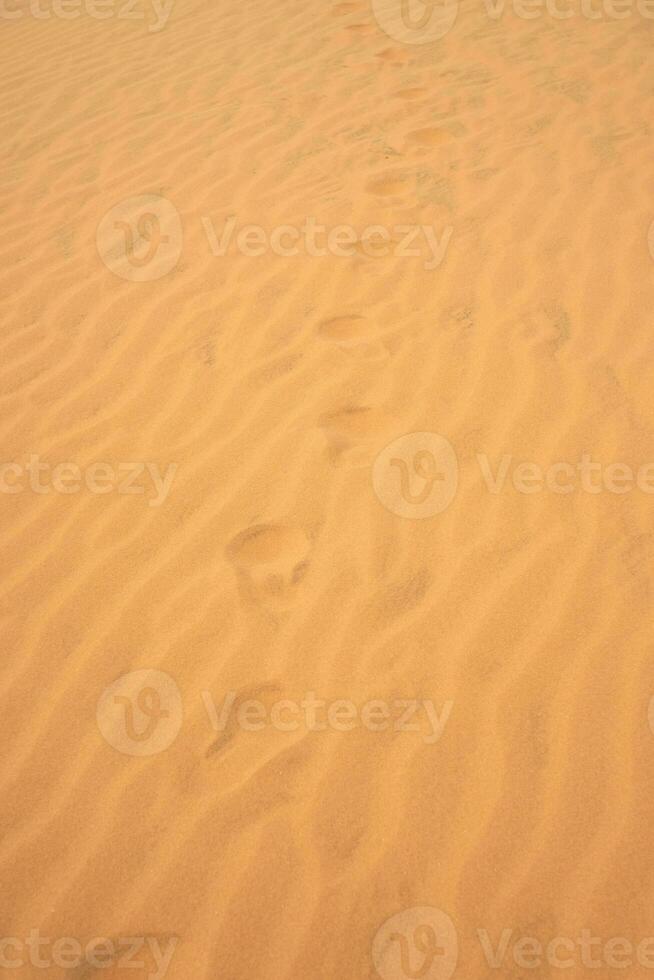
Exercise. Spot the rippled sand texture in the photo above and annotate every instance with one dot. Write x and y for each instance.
(272, 569)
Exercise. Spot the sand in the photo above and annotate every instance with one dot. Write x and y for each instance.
(297, 477)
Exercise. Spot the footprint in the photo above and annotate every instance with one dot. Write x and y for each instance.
(267, 693)
(429, 136)
(270, 561)
(411, 93)
(345, 328)
(354, 434)
(387, 185)
(374, 246)
(393, 56)
(353, 333)
(547, 327)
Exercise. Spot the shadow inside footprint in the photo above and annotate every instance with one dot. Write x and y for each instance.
(269, 560)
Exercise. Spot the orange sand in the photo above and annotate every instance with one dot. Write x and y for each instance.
(272, 567)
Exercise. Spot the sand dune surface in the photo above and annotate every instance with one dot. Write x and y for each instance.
(327, 490)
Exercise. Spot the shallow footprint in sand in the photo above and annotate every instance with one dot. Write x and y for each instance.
(353, 433)
(429, 136)
(353, 333)
(270, 561)
(266, 693)
(359, 28)
(411, 93)
(353, 326)
(387, 185)
(393, 56)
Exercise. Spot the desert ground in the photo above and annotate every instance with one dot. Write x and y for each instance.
(327, 490)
